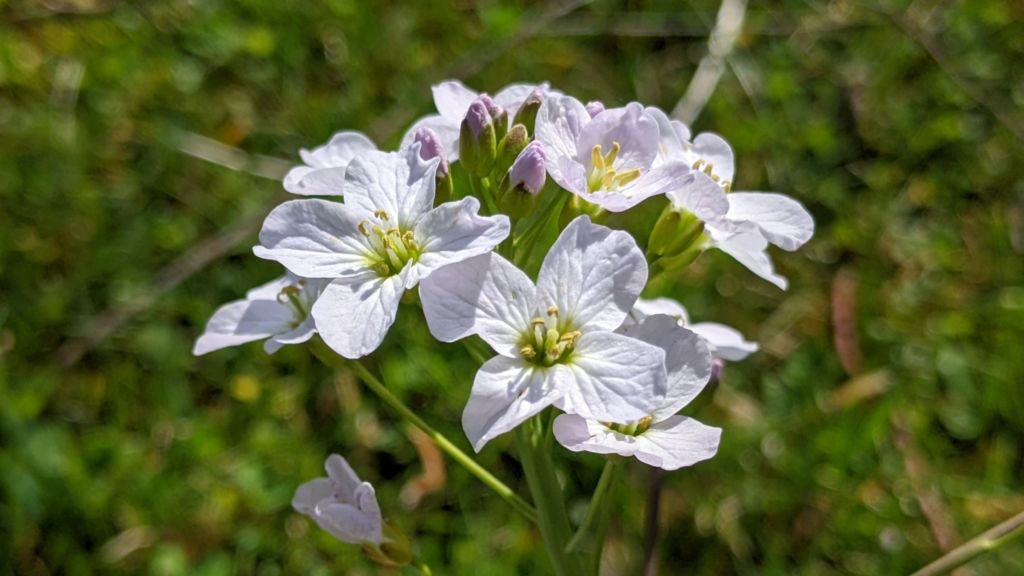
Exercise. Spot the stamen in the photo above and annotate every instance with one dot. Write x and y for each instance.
(596, 159)
(609, 159)
(528, 352)
(364, 228)
(382, 214)
(727, 186)
(626, 177)
(698, 164)
(708, 169)
(553, 311)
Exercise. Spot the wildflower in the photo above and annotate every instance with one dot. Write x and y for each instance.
(381, 241)
(323, 171)
(277, 312)
(661, 438)
(342, 504)
(555, 340)
(725, 342)
(607, 160)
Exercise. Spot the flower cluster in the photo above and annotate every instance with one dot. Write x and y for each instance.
(522, 258)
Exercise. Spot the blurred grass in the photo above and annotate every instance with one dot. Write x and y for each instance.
(894, 123)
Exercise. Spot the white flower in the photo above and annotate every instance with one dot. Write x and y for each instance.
(452, 99)
(341, 504)
(323, 171)
(277, 312)
(555, 339)
(750, 220)
(381, 241)
(724, 341)
(609, 160)
(662, 438)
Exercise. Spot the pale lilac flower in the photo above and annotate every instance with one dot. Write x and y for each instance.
(594, 108)
(383, 240)
(452, 99)
(323, 171)
(662, 438)
(277, 312)
(528, 172)
(555, 340)
(341, 504)
(431, 147)
(725, 342)
(610, 159)
(750, 220)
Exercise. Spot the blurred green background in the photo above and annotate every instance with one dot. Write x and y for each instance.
(882, 421)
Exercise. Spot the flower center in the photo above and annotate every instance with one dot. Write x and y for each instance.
(709, 169)
(391, 248)
(546, 343)
(293, 295)
(603, 176)
(633, 428)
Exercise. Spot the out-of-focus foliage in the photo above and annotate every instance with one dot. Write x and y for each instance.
(899, 127)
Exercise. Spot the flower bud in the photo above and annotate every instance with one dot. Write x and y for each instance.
(674, 232)
(498, 116)
(477, 141)
(594, 108)
(431, 147)
(509, 148)
(527, 114)
(528, 172)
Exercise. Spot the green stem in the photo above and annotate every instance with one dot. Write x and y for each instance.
(443, 443)
(990, 540)
(421, 566)
(482, 190)
(535, 456)
(597, 507)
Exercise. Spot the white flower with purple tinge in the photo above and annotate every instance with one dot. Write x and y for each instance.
(452, 99)
(662, 438)
(323, 171)
(555, 340)
(726, 342)
(383, 240)
(750, 220)
(342, 504)
(610, 159)
(277, 312)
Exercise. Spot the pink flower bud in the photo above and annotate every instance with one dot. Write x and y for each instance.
(431, 147)
(528, 171)
(594, 108)
(477, 117)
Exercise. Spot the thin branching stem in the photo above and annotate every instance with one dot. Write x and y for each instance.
(990, 540)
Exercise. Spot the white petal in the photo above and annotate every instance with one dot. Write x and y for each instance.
(455, 231)
(511, 97)
(559, 122)
(301, 333)
(659, 180)
(593, 274)
(339, 150)
(687, 360)
(315, 181)
(308, 495)
(714, 150)
(782, 220)
(447, 133)
(727, 342)
(350, 523)
(486, 295)
(314, 238)
(749, 248)
(399, 183)
(452, 98)
(354, 314)
(677, 442)
(673, 135)
(270, 290)
(666, 306)
(569, 174)
(581, 435)
(614, 378)
(701, 196)
(344, 477)
(506, 391)
(635, 131)
(243, 321)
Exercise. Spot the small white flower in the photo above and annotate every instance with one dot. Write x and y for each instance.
(381, 241)
(662, 438)
(323, 171)
(741, 224)
(452, 99)
(724, 341)
(555, 340)
(609, 160)
(277, 312)
(341, 504)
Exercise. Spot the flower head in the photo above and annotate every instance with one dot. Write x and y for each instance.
(383, 240)
(555, 339)
(277, 312)
(608, 160)
(342, 504)
(323, 170)
(660, 438)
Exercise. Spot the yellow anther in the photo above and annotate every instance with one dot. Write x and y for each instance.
(726, 185)
(596, 159)
(623, 178)
(553, 311)
(612, 154)
(708, 168)
(715, 178)
(382, 269)
(528, 352)
(537, 322)
(364, 228)
(607, 179)
(382, 214)
(697, 164)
